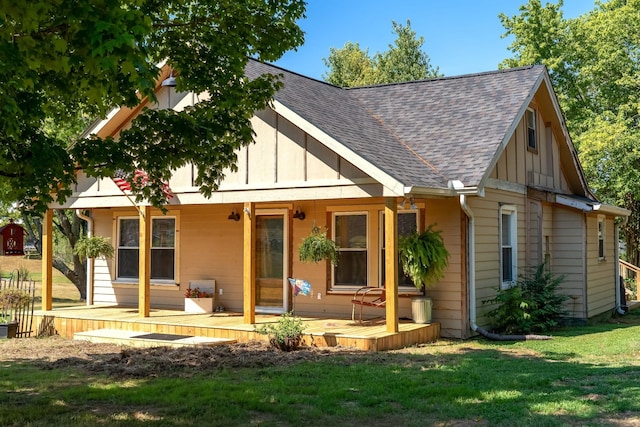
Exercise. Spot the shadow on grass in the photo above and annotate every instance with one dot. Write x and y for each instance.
(249, 384)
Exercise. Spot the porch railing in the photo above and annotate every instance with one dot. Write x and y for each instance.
(631, 277)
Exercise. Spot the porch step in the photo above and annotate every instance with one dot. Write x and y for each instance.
(147, 339)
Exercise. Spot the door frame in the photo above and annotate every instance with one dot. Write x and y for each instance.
(285, 261)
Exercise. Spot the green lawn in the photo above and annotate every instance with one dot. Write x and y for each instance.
(585, 376)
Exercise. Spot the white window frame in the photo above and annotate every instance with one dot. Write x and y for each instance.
(341, 249)
(134, 279)
(531, 122)
(401, 287)
(511, 214)
(602, 238)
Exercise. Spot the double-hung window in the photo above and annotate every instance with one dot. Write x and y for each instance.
(350, 234)
(508, 246)
(601, 238)
(407, 224)
(532, 142)
(163, 248)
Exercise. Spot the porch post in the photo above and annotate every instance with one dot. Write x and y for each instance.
(249, 263)
(47, 257)
(144, 262)
(391, 261)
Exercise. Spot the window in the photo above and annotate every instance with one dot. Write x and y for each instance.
(532, 143)
(508, 246)
(350, 234)
(601, 237)
(407, 224)
(163, 248)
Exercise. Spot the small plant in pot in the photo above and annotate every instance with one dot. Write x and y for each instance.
(11, 300)
(318, 247)
(424, 258)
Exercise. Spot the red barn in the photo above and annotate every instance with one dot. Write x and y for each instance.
(12, 239)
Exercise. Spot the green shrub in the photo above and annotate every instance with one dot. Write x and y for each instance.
(286, 334)
(532, 305)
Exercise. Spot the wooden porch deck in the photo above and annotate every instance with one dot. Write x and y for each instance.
(321, 332)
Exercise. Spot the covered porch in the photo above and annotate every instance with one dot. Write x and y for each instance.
(321, 332)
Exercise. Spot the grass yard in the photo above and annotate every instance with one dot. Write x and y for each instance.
(64, 292)
(585, 376)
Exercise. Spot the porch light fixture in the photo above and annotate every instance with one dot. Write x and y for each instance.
(234, 216)
(412, 202)
(170, 81)
(299, 214)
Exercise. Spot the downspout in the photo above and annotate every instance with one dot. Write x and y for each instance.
(471, 261)
(471, 266)
(89, 261)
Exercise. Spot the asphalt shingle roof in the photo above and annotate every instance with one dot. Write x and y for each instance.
(422, 133)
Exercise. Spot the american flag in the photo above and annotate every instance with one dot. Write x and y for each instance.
(123, 181)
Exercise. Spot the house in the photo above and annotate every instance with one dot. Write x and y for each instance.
(487, 157)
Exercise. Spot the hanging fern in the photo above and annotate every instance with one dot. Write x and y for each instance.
(93, 247)
(424, 256)
(318, 247)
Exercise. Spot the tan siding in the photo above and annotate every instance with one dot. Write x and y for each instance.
(487, 248)
(322, 163)
(291, 152)
(567, 256)
(600, 272)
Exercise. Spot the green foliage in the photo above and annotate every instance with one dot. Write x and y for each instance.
(318, 247)
(12, 299)
(23, 272)
(286, 334)
(423, 256)
(532, 305)
(93, 247)
(594, 65)
(65, 60)
(404, 61)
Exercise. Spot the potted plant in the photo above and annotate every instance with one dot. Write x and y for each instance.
(11, 300)
(424, 258)
(198, 301)
(93, 247)
(318, 247)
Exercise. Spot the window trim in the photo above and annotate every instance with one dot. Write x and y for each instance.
(405, 289)
(512, 212)
(333, 288)
(176, 244)
(531, 116)
(602, 237)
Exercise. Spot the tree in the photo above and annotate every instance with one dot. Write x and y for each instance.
(404, 61)
(594, 63)
(62, 59)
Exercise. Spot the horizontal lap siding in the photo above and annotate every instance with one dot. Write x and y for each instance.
(568, 257)
(486, 212)
(601, 295)
(448, 295)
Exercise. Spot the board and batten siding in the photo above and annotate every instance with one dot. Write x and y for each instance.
(541, 168)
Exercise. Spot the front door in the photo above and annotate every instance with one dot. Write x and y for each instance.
(272, 246)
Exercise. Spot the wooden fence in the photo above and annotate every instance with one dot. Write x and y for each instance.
(24, 315)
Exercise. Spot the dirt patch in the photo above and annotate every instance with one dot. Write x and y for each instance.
(119, 361)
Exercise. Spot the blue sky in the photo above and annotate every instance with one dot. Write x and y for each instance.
(461, 36)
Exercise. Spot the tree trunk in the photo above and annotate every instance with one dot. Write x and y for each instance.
(71, 228)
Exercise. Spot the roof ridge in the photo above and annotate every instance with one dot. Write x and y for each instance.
(294, 73)
(456, 77)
